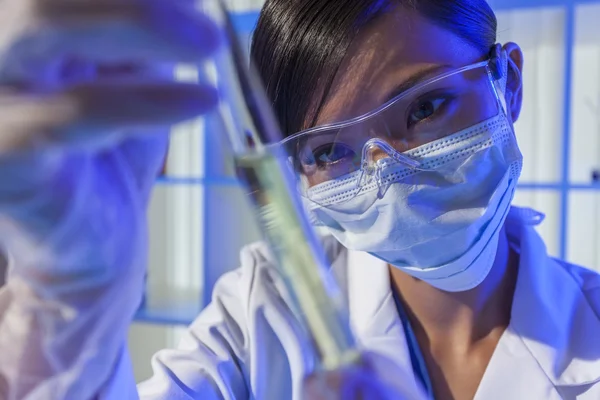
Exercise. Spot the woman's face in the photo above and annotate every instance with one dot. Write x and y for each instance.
(395, 52)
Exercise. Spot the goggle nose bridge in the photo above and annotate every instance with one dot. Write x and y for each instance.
(371, 169)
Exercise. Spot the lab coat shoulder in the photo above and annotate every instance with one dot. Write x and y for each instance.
(246, 335)
(588, 281)
(557, 314)
(208, 362)
(551, 349)
(581, 380)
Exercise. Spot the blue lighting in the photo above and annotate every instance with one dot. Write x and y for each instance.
(245, 23)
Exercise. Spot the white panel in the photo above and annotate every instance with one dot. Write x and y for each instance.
(585, 125)
(229, 222)
(540, 33)
(174, 280)
(144, 341)
(550, 99)
(244, 5)
(175, 224)
(186, 150)
(229, 225)
(175, 335)
(234, 6)
(547, 202)
(584, 229)
(219, 156)
(158, 247)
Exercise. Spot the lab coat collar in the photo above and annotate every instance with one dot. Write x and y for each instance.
(373, 314)
(550, 313)
(369, 292)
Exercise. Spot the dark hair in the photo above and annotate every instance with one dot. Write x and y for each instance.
(298, 45)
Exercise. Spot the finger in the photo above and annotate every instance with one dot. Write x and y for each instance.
(68, 72)
(360, 383)
(109, 32)
(181, 22)
(97, 115)
(322, 385)
(131, 104)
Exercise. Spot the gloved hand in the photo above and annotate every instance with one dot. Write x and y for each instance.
(374, 378)
(87, 99)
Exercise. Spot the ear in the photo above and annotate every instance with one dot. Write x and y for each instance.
(514, 82)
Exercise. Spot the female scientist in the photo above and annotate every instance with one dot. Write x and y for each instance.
(398, 116)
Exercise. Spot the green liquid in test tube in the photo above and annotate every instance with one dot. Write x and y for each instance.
(252, 131)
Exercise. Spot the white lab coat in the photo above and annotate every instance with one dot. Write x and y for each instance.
(248, 344)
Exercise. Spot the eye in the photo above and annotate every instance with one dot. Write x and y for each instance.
(424, 109)
(332, 153)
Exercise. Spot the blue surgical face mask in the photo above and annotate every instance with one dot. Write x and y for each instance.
(440, 224)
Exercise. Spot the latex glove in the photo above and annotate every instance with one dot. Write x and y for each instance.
(85, 107)
(60, 87)
(374, 378)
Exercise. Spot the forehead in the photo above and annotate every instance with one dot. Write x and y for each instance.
(385, 54)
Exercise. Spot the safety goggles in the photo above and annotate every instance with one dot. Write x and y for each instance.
(352, 151)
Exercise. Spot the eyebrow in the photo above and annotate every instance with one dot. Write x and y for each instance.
(417, 78)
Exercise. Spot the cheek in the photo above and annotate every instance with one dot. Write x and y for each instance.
(314, 180)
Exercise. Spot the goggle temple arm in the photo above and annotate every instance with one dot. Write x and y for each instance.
(498, 68)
